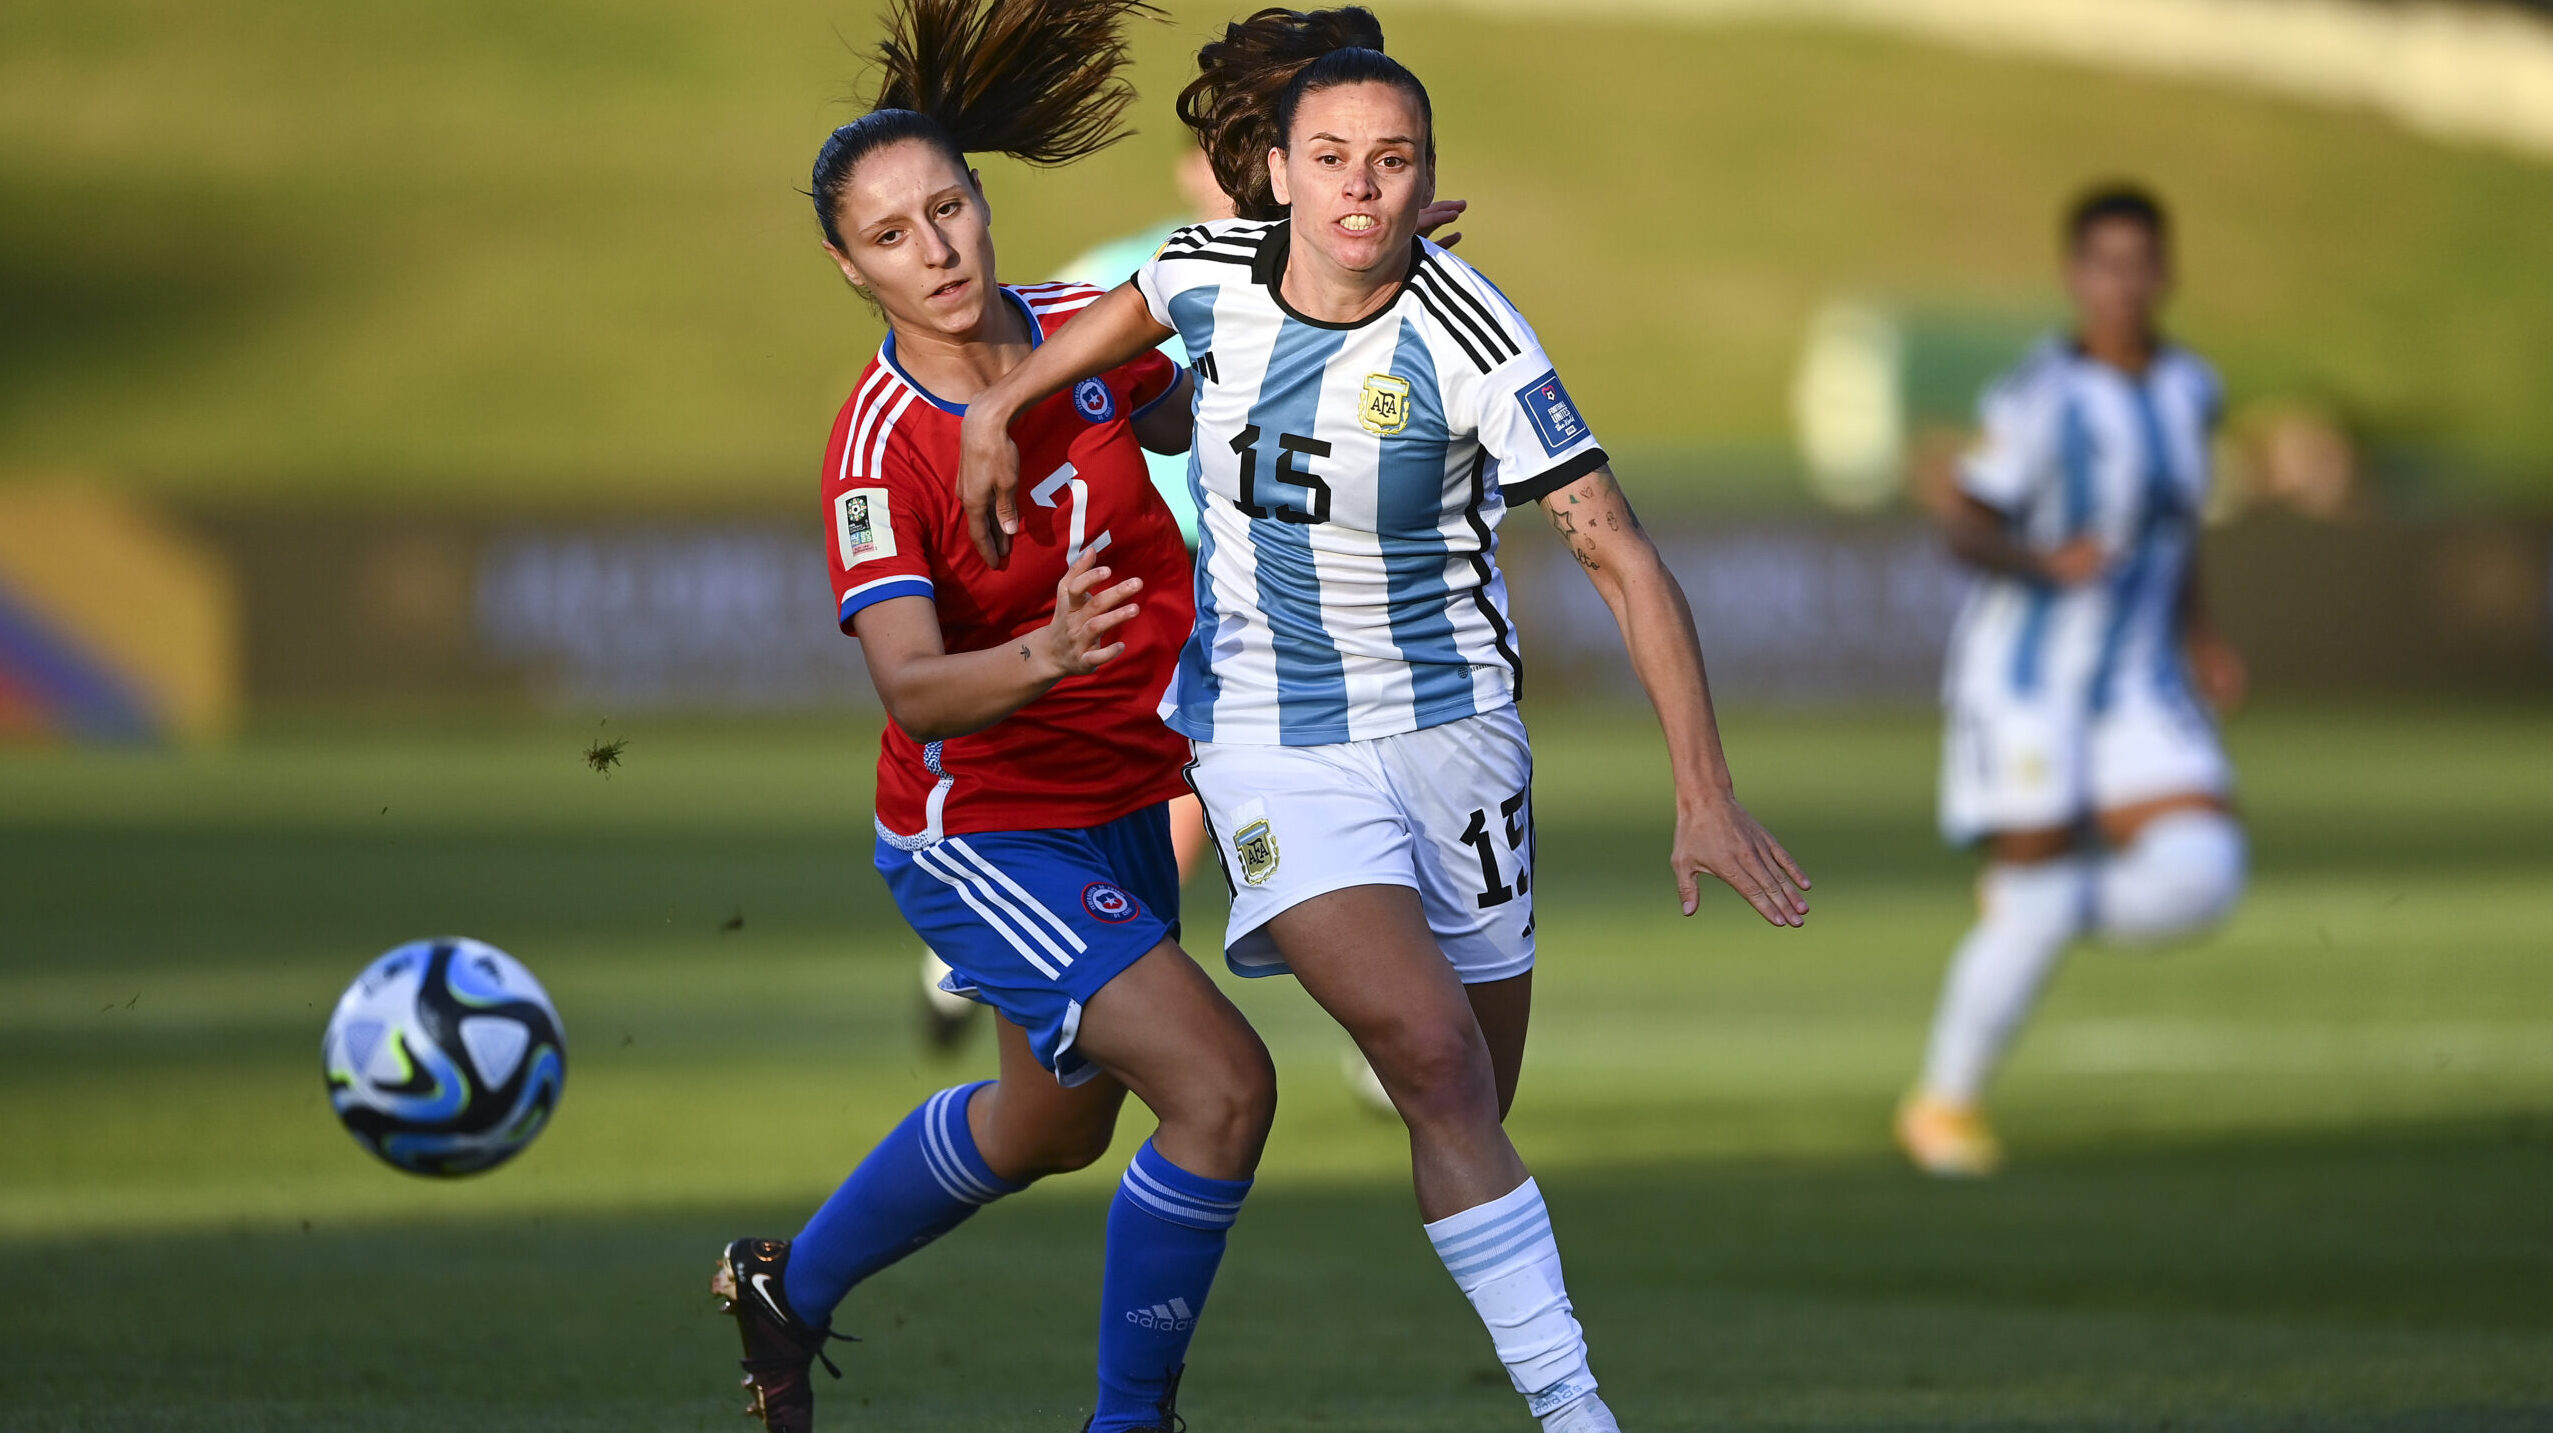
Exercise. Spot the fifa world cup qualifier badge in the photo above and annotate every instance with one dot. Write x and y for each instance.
(1382, 408)
(861, 527)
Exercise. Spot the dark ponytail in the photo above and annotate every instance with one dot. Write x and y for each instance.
(1249, 83)
(1034, 79)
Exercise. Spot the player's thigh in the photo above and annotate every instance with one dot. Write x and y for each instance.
(1466, 789)
(1164, 1029)
(1504, 1010)
(1291, 824)
(1029, 1124)
(1365, 955)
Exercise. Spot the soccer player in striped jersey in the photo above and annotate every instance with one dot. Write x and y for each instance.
(1023, 776)
(2076, 750)
(1367, 409)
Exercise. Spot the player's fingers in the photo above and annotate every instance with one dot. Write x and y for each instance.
(1782, 857)
(1110, 621)
(1450, 240)
(1081, 581)
(1102, 601)
(1687, 889)
(979, 526)
(1101, 656)
(1753, 879)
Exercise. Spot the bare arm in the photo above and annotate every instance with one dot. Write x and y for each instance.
(2223, 678)
(1167, 426)
(1113, 330)
(935, 694)
(1979, 536)
(1713, 833)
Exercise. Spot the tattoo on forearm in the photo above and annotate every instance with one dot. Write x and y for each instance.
(1023, 651)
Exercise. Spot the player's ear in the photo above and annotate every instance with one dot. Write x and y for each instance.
(1276, 177)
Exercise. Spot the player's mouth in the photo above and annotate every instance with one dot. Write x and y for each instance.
(950, 290)
(1360, 223)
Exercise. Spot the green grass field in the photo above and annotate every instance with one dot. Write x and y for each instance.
(496, 252)
(2298, 1177)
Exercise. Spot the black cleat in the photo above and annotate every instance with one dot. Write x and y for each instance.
(779, 1345)
(1168, 1409)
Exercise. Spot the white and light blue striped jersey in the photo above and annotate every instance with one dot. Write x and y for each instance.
(1350, 480)
(2074, 447)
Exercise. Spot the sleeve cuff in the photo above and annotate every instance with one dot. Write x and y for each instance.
(1544, 484)
(1176, 374)
(871, 593)
(1152, 305)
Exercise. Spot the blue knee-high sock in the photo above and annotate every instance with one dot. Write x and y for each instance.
(921, 1181)
(1165, 1238)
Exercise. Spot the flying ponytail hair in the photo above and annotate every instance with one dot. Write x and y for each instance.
(1248, 84)
(1034, 79)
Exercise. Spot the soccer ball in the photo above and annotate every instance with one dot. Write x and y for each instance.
(445, 1057)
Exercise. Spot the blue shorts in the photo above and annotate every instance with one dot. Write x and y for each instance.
(1033, 923)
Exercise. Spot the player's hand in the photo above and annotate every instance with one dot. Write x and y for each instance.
(1439, 214)
(2223, 678)
(1076, 641)
(988, 481)
(2076, 563)
(1718, 837)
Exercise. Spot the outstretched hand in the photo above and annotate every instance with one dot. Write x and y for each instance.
(1439, 214)
(988, 483)
(1076, 641)
(1720, 838)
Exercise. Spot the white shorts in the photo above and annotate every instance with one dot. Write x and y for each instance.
(2044, 764)
(1447, 811)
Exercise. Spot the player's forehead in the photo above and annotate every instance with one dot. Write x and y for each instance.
(1364, 114)
(2117, 237)
(897, 181)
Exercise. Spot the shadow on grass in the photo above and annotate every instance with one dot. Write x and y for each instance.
(2394, 1280)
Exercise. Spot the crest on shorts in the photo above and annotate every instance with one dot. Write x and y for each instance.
(1107, 903)
(1256, 848)
(1383, 407)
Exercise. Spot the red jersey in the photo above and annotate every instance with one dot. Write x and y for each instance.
(1093, 748)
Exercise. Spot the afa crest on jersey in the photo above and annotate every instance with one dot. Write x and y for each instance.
(1383, 406)
(1107, 903)
(1256, 848)
(1093, 401)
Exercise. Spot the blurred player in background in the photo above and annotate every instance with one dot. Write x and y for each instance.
(1368, 409)
(2080, 749)
(1024, 777)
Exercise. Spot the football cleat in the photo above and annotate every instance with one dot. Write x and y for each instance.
(1168, 1409)
(1946, 1138)
(779, 1345)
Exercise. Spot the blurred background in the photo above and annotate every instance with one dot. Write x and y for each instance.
(396, 397)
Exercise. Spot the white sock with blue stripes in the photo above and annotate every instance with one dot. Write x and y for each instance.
(1503, 1258)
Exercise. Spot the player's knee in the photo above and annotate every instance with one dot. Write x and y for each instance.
(1227, 1100)
(2178, 878)
(1436, 1073)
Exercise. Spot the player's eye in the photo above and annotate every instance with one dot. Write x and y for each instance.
(888, 236)
(949, 208)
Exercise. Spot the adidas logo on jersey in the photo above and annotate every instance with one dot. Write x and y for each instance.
(1172, 1317)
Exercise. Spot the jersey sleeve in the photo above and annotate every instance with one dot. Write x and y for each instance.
(880, 533)
(1149, 380)
(1509, 390)
(2015, 445)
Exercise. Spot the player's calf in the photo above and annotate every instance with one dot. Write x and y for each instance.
(2180, 875)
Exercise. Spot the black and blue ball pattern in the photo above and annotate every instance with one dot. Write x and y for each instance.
(445, 1057)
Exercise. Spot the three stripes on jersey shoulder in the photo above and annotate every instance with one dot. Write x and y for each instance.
(875, 410)
(1239, 245)
(1478, 324)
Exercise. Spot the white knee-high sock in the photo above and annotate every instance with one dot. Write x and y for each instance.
(2182, 874)
(1503, 1258)
(2031, 912)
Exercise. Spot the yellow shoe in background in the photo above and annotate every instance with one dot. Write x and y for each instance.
(1947, 1139)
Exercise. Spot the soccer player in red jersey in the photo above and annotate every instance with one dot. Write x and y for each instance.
(1023, 776)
